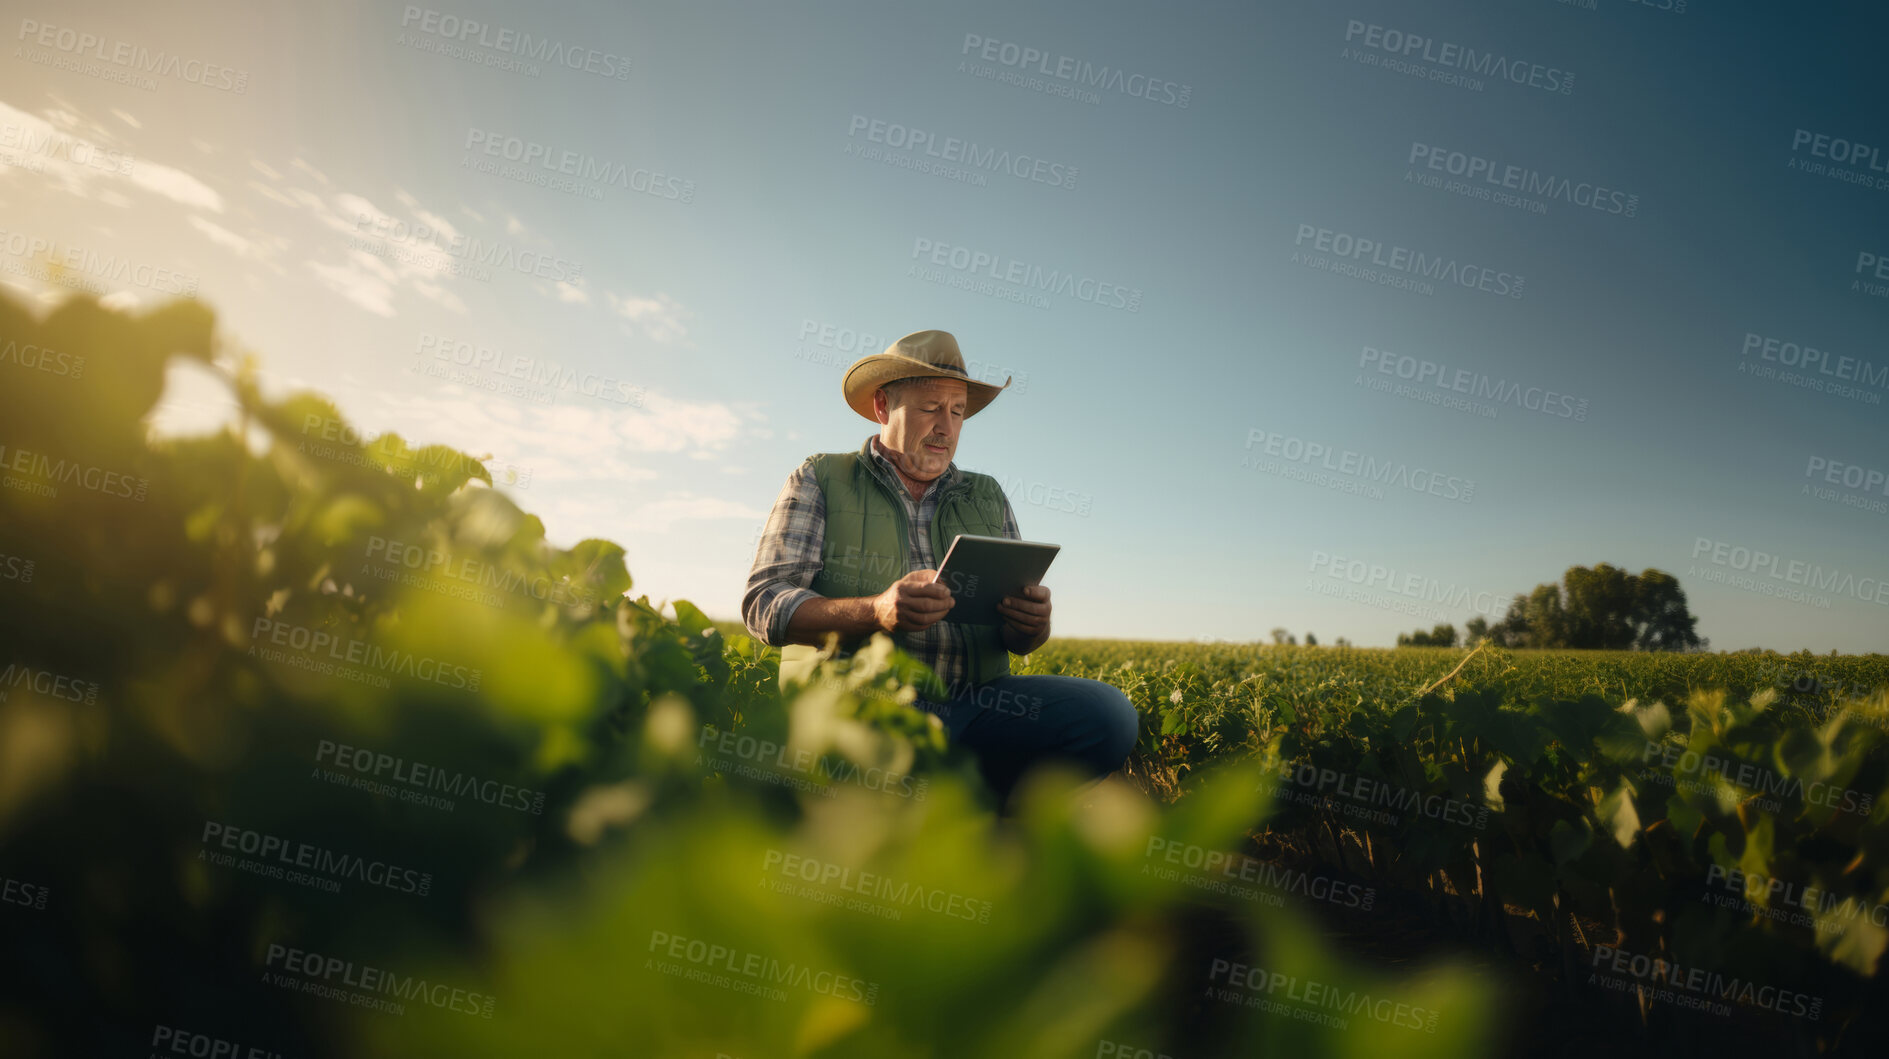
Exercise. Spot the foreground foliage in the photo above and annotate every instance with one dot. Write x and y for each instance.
(312, 744)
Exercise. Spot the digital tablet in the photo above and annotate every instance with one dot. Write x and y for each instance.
(981, 571)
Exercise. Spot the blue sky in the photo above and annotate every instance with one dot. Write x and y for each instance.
(1152, 444)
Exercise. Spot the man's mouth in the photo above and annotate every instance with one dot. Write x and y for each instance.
(934, 448)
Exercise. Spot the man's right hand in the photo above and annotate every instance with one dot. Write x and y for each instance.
(911, 603)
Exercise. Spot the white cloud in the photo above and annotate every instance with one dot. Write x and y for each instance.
(127, 118)
(350, 211)
(382, 255)
(665, 424)
(590, 448)
(81, 155)
(570, 292)
(302, 164)
(367, 262)
(432, 220)
(660, 318)
(222, 236)
(273, 195)
(369, 292)
(433, 292)
(176, 185)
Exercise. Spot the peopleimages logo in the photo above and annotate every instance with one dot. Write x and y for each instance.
(875, 886)
(1523, 180)
(1474, 383)
(1875, 266)
(1404, 261)
(1695, 987)
(40, 474)
(34, 146)
(1828, 911)
(510, 42)
(1848, 475)
(1350, 464)
(1315, 781)
(1312, 1000)
(87, 269)
(326, 646)
(1810, 358)
(1790, 572)
(16, 568)
(279, 858)
(1413, 586)
(1022, 274)
(1277, 878)
(470, 254)
(30, 357)
(757, 970)
(423, 777)
(331, 975)
(45, 682)
(580, 167)
(129, 58)
(969, 153)
(1076, 73)
(173, 1040)
(1445, 55)
(1745, 775)
(1839, 150)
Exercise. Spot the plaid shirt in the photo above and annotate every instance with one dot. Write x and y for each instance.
(788, 558)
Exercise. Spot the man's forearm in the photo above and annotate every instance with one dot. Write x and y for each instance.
(852, 617)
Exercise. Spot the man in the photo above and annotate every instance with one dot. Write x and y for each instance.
(851, 548)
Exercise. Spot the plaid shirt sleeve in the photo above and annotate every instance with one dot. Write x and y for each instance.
(787, 558)
(1010, 519)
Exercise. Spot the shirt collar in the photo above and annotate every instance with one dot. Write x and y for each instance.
(890, 470)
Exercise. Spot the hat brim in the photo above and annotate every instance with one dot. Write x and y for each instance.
(869, 373)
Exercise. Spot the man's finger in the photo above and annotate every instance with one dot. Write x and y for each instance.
(1024, 606)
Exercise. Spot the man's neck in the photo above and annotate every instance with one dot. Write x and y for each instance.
(914, 486)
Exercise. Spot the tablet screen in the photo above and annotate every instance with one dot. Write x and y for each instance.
(981, 571)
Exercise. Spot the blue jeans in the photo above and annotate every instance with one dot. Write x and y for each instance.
(1013, 722)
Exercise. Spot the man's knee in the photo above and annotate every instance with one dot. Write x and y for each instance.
(1117, 723)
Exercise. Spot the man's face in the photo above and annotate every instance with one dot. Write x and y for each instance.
(921, 424)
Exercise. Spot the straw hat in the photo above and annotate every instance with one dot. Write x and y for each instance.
(921, 354)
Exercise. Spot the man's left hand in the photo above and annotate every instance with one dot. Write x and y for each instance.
(1026, 617)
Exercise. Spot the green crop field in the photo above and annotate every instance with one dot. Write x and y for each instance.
(336, 755)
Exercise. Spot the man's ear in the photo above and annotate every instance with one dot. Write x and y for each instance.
(881, 409)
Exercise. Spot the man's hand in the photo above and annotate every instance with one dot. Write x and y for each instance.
(911, 603)
(1026, 619)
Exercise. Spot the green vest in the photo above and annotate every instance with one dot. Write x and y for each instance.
(865, 547)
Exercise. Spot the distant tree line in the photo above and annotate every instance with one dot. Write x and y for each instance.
(1285, 639)
(1604, 608)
